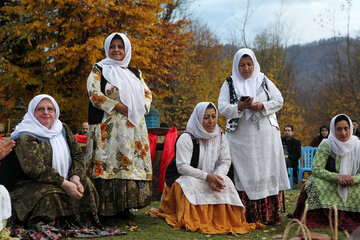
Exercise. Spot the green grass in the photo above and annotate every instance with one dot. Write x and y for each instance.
(146, 227)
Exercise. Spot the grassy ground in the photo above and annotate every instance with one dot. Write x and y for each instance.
(145, 227)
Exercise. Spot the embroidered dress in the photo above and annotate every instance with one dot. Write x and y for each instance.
(321, 192)
(38, 195)
(118, 152)
(255, 144)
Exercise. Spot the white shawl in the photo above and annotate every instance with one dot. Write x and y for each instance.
(246, 87)
(61, 158)
(214, 157)
(349, 153)
(131, 90)
(211, 140)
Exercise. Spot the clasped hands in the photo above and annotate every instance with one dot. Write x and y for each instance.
(248, 104)
(216, 182)
(345, 180)
(73, 188)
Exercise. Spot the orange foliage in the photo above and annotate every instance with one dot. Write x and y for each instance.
(49, 46)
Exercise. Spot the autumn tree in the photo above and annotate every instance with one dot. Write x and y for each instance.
(338, 77)
(201, 74)
(49, 46)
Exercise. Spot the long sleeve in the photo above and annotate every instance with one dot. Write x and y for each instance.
(225, 108)
(35, 159)
(77, 156)
(97, 98)
(276, 101)
(184, 150)
(318, 167)
(148, 94)
(224, 162)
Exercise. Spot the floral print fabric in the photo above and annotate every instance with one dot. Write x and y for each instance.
(116, 149)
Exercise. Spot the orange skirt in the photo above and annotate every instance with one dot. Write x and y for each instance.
(209, 219)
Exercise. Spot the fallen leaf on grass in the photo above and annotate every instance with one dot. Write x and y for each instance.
(273, 229)
(266, 231)
(133, 228)
(207, 236)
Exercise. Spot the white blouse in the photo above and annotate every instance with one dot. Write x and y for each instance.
(193, 180)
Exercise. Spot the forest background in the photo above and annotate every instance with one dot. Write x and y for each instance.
(50, 46)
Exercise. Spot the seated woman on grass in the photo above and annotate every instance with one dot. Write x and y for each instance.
(203, 198)
(334, 180)
(54, 196)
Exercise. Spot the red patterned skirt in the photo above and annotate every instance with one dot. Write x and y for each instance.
(267, 210)
(319, 218)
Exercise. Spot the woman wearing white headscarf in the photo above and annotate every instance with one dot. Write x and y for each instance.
(334, 180)
(118, 153)
(249, 101)
(54, 182)
(203, 192)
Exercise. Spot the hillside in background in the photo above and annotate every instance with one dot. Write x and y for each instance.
(311, 62)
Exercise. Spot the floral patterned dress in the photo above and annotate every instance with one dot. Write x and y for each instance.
(118, 153)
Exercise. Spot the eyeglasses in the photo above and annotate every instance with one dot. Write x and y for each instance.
(42, 109)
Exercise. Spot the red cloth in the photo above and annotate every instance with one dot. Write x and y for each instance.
(1, 138)
(167, 154)
(152, 145)
(81, 138)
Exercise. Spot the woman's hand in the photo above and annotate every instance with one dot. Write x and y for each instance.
(71, 189)
(216, 182)
(255, 107)
(345, 180)
(245, 104)
(122, 108)
(76, 179)
(6, 148)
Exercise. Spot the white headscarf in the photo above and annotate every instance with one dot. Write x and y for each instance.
(131, 90)
(211, 140)
(348, 151)
(246, 87)
(61, 158)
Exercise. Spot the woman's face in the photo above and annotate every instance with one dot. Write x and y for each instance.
(45, 112)
(246, 67)
(342, 131)
(209, 120)
(117, 50)
(324, 132)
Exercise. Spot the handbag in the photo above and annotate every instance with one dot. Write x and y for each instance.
(306, 234)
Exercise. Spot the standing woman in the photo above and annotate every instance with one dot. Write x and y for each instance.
(117, 151)
(254, 138)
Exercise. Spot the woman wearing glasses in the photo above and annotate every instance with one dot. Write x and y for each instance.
(54, 189)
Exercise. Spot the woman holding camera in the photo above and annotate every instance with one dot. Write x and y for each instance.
(249, 101)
